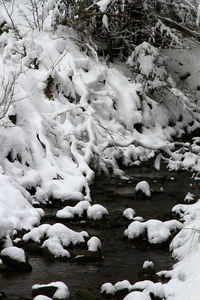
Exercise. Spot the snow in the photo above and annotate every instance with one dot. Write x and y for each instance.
(83, 123)
(41, 297)
(111, 289)
(15, 253)
(103, 4)
(148, 264)
(189, 197)
(94, 244)
(137, 296)
(108, 288)
(95, 212)
(129, 213)
(62, 291)
(157, 231)
(57, 237)
(144, 187)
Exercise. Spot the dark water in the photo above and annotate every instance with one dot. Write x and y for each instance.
(123, 259)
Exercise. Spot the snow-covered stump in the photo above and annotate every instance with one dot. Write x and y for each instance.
(54, 290)
(15, 258)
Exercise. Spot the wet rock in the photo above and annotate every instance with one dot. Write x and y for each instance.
(85, 294)
(33, 247)
(86, 256)
(48, 291)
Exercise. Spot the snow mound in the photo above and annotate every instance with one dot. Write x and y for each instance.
(110, 289)
(148, 264)
(57, 237)
(95, 212)
(94, 244)
(15, 209)
(144, 187)
(41, 297)
(128, 213)
(137, 296)
(15, 253)
(156, 231)
(62, 289)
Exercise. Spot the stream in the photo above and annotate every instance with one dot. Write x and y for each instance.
(123, 259)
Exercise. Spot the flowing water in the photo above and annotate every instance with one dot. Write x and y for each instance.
(123, 259)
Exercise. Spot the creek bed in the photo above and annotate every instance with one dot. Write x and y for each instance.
(123, 259)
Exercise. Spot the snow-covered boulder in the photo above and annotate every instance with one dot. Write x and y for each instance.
(16, 258)
(94, 244)
(55, 290)
(148, 264)
(96, 212)
(70, 212)
(155, 230)
(144, 187)
(138, 296)
(93, 212)
(57, 237)
(128, 213)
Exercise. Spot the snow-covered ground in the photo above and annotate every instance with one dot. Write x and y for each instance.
(64, 114)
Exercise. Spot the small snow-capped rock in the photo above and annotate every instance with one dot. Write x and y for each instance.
(144, 187)
(148, 264)
(96, 212)
(15, 258)
(128, 213)
(108, 288)
(56, 290)
(14, 253)
(94, 244)
(189, 197)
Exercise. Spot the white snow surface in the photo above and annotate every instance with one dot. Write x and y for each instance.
(15, 253)
(148, 264)
(129, 213)
(144, 187)
(91, 118)
(62, 291)
(157, 231)
(41, 297)
(95, 212)
(94, 244)
(57, 237)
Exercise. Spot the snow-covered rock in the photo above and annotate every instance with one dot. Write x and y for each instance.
(60, 290)
(144, 187)
(137, 296)
(156, 231)
(96, 212)
(148, 264)
(94, 244)
(14, 253)
(129, 213)
(57, 236)
(15, 257)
